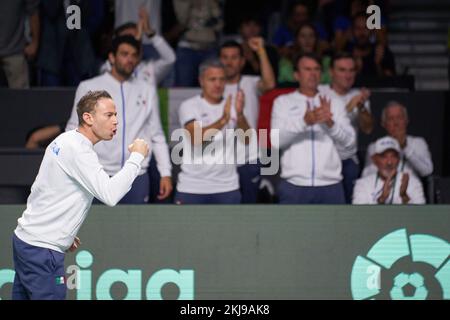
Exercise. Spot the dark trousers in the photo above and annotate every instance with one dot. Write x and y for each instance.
(232, 197)
(139, 192)
(249, 178)
(39, 273)
(292, 194)
(350, 173)
(154, 182)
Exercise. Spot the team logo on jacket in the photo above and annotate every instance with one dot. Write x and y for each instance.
(141, 101)
(55, 148)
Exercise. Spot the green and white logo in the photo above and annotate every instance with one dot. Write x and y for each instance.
(403, 267)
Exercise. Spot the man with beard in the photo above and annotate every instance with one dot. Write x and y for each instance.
(69, 177)
(388, 185)
(357, 105)
(138, 116)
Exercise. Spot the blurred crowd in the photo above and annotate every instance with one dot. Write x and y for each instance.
(38, 49)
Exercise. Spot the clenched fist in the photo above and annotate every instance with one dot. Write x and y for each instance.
(139, 145)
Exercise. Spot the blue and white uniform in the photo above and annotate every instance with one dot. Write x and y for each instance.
(310, 161)
(350, 162)
(415, 158)
(249, 173)
(207, 175)
(69, 177)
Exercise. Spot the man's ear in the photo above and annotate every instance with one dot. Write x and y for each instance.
(111, 58)
(87, 117)
(297, 76)
(375, 158)
(242, 64)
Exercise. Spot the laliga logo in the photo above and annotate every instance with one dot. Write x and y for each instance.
(80, 278)
(402, 267)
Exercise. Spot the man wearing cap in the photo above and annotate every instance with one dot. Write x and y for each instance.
(388, 185)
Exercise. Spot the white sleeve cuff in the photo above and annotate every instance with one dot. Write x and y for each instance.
(136, 158)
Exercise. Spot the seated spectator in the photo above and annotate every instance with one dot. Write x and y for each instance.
(284, 38)
(356, 102)
(415, 156)
(342, 25)
(388, 185)
(202, 23)
(65, 57)
(232, 57)
(152, 71)
(309, 130)
(306, 41)
(250, 28)
(299, 14)
(372, 59)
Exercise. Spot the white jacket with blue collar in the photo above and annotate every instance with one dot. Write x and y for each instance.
(309, 153)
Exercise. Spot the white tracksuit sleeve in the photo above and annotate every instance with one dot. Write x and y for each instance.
(166, 58)
(362, 193)
(73, 120)
(285, 128)
(158, 139)
(85, 168)
(342, 132)
(415, 191)
(419, 157)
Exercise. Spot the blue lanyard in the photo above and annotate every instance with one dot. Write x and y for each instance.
(381, 190)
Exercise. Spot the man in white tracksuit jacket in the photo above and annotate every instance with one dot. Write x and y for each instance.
(307, 128)
(138, 115)
(69, 178)
(357, 105)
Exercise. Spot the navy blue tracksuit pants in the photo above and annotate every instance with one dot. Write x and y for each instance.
(39, 273)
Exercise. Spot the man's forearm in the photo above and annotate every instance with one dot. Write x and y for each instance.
(35, 27)
(267, 74)
(243, 125)
(205, 132)
(365, 121)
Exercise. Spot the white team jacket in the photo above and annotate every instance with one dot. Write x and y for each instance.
(138, 115)
(368, 189)
(69, 177)
(309, 153)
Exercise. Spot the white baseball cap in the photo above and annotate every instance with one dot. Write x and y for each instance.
(386, 143)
